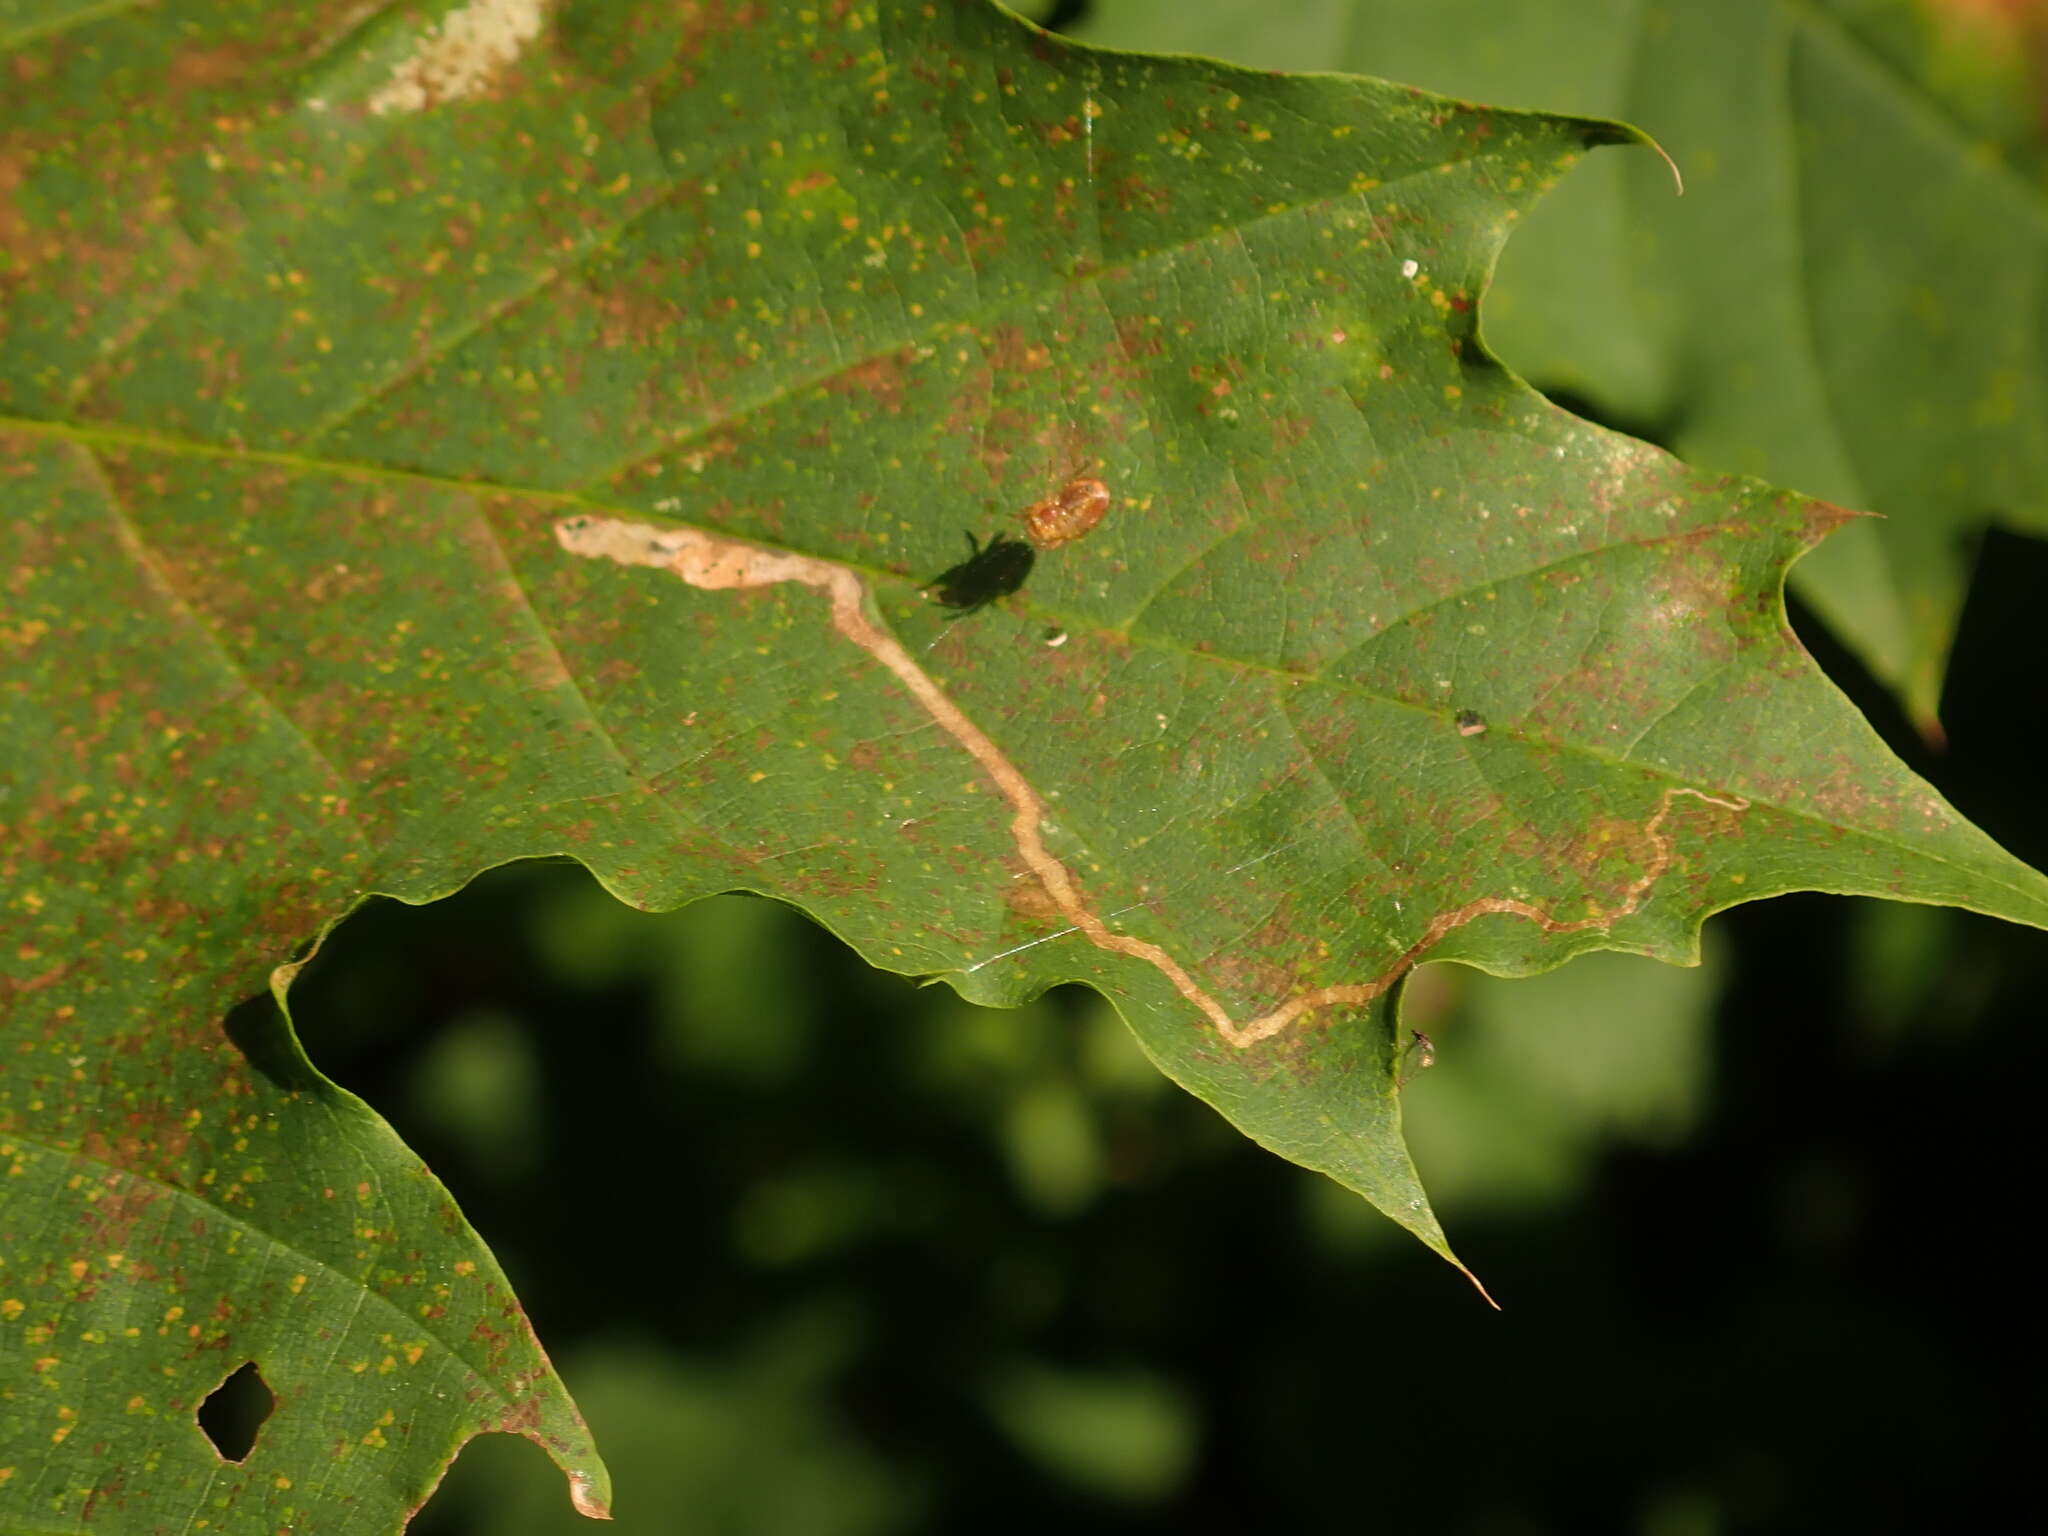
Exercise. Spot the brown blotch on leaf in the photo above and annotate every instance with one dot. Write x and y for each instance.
(1027, 898)
(1068, 514)
(880, 379)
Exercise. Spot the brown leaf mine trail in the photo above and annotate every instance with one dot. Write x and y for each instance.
(717, 564)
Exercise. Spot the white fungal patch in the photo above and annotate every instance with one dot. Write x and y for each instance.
(463, 55)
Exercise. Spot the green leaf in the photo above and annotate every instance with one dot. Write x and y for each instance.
(1845, 300)
(435, 441)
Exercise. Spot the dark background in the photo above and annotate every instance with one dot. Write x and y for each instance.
(822, 1252)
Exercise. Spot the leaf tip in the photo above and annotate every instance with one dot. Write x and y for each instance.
(1608, 132)
(1933, 734)
(591, 1501)
(1478, 1285)
(1824, 517)
(1677, 176)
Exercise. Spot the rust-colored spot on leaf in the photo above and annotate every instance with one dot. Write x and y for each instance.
(1068, 514)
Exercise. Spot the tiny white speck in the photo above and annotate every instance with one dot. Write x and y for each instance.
(1410, 267)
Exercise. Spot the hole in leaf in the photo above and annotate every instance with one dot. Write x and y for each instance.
(235, 1410)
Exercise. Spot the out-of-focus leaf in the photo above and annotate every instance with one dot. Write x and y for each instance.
(1534, 1078)
(1848, 298)
(1122, 1434)
(368, 382)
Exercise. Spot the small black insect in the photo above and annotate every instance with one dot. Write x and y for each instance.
(992, 570)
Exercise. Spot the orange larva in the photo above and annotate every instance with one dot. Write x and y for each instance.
(1061, 519)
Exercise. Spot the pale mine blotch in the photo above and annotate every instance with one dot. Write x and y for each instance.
(462, 56)
(716, 564)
